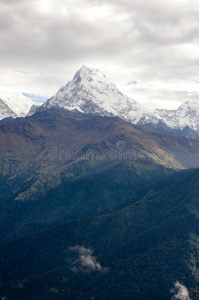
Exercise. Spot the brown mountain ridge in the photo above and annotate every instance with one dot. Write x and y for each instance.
(56, 144)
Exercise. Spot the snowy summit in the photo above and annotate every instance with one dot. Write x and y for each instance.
(14, 105)
(186, 115)
(91, 92)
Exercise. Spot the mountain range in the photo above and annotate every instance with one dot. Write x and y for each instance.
(52, 153)
(57, 143)
(98, 197)
(90, 92)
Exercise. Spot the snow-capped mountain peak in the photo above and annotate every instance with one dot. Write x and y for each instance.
(90, 92)
(189, 105)
(186, 115)
(89, 74)
(17, 105)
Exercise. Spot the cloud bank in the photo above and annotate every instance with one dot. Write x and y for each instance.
(156, 43)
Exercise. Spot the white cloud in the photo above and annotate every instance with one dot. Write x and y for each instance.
(180, 292)
(86, 262)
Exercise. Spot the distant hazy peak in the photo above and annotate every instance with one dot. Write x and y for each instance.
(193, 104)
(17, 104)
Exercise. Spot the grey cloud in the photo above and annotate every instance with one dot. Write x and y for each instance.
(163, 98)
(145, 40)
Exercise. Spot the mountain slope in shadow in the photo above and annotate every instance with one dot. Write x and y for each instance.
(140, 251)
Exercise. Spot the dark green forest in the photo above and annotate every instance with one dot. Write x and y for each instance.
(142, 248)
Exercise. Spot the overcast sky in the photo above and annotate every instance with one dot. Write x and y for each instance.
(148, 48)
